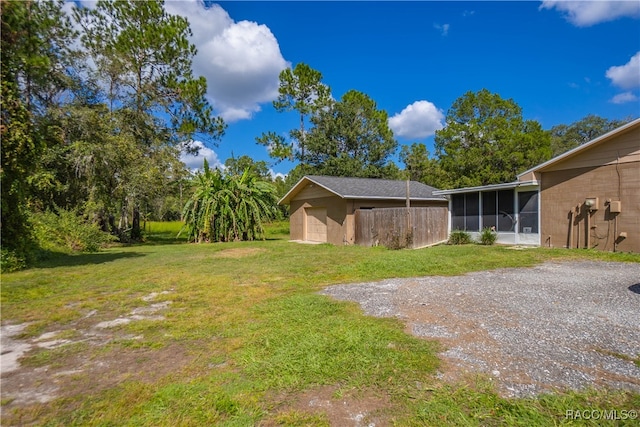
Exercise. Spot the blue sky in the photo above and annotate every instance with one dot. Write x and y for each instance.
(558, 60)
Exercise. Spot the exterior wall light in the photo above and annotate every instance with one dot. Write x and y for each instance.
(591, 203)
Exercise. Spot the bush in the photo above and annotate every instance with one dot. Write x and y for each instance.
(488, 237)
(10, 261)
(459, 237)
(395, 241)
(67, 231)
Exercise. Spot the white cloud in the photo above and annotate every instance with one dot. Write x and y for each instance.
(418, 120)
(626, 76)
(587, 13)
(194, 162)
(275, 175)
(444, 28)
(240, 60)
(622, 98)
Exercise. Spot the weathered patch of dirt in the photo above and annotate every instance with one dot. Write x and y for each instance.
(82, 373)
(238, 252)
(355, 408)
(81, 359)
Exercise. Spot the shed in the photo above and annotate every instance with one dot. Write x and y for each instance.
(588, 197)
(323, 207)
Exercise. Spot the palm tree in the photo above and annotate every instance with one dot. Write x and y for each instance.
(228, 207)
(256, 203)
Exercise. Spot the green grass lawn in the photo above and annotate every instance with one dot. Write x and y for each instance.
(245, 335)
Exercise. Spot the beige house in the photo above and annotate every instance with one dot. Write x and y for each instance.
(588, 197)
(323, 207)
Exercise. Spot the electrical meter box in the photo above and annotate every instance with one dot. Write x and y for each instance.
(615, 207)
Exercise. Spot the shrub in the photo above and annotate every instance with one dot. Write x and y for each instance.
(11, 261)
(65, 230)
(396, 241)
(459, 237)
(488, 237)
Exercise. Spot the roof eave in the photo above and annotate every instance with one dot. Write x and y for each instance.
(286, 199)
(439, 199)
(503, 186)
(584, 146)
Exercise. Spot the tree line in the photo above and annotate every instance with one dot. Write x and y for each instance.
(485, 139)
(96, 109)
(98, 106)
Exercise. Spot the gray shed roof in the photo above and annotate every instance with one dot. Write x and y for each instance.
(366, 188)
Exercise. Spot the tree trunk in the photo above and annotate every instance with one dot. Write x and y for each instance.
(136, 233)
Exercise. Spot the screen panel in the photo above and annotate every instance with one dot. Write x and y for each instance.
(506, 218)
(528, 210)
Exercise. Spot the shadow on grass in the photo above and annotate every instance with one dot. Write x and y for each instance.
(55, 259)
(155, 240)
(171, 239)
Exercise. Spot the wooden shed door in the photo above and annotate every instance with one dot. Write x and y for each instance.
(316, 224)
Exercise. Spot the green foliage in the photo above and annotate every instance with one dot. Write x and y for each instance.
(143, 60)
(398, 240)
(143, 55)
(301, 90)
(34, 41)
(567, 137)
(228, 207)
(419, 166)
(18, 149)
(238, 166)
(351, 138)
(94, 119)
(11, 261)
(66, 231)
(487, 141)
(488, 237)
(459, 237)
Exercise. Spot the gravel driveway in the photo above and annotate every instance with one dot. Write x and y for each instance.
(565, 325)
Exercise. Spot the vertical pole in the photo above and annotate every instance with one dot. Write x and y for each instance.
(409, 230)
(578, 224)
(570, 243)
(588, 231)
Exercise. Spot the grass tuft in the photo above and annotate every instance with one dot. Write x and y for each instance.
(307, 339)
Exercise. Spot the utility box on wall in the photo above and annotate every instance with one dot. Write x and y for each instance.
(615, 207)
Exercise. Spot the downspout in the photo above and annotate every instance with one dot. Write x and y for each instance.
(587, 236)
(578, 229)
(570, 243)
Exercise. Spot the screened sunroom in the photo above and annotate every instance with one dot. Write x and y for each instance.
(511, 209)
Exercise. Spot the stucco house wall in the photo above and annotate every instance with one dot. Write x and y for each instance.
(340, 215)
(336, 214)
(310, 197)
(610, 172)
(606, 168)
